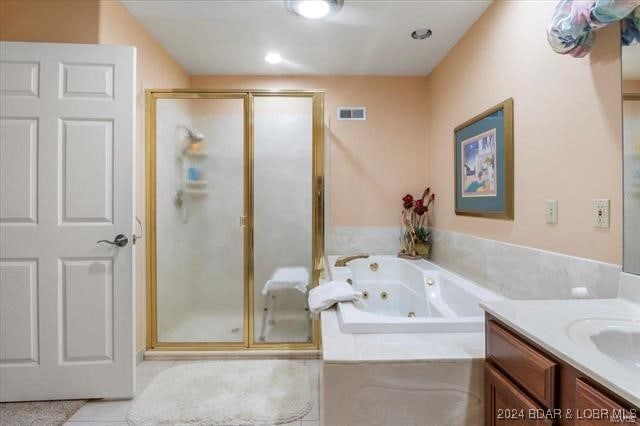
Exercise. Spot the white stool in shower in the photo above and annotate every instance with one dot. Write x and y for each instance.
(296, 278)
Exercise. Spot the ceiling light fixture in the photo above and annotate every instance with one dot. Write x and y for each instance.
(273, 58)
(421, 34)
(314, 9)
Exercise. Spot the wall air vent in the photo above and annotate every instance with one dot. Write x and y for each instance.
(352, 113)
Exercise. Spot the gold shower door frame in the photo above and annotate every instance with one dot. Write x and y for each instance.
(249, 343)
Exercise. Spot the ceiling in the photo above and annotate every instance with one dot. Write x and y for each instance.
(631, 62)
(366, 37)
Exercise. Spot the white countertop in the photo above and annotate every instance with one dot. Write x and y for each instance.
(545, 322)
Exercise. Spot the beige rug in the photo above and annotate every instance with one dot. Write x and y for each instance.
(40, 413)
(261, 392)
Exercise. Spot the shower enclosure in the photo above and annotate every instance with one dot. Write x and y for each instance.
(234, 211)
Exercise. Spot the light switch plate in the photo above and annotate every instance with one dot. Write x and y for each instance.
(601, 213)
(552, 211)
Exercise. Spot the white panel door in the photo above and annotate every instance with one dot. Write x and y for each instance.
(66, 181)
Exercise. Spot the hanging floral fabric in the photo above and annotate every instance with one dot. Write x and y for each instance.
(631, 28)
(574, 21)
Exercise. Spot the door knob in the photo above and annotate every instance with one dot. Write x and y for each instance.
(120, 240)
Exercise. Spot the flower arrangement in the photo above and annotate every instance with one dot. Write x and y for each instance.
(415, 221)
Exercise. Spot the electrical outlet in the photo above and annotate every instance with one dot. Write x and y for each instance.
(552, 211)
(601, 213)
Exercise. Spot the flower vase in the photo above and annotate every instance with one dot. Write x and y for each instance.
(423, 249)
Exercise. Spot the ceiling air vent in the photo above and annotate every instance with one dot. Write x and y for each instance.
(352, 113)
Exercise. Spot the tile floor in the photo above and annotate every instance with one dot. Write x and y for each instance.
(113, 413)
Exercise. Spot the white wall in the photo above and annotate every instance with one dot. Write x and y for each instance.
(200, 246)
(216, 251)
(174, 274)
(283, 153)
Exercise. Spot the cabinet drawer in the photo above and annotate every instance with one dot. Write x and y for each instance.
(506, 404)
(594, 408)
(528, 367)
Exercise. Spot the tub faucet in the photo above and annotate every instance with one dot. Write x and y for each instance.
(342, 261)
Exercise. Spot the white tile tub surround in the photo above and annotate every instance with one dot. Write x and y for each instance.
(629, 287)
(437, 378)
(517, 272)
(400, 379)
(421, 393)
(349, 240)
(339, 347)
(520, 272)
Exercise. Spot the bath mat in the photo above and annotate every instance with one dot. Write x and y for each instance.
(225, 393)
(38, 413)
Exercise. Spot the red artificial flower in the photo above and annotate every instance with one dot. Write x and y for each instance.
(408, 205)
(419, 203)
(407, 199)
(420, 210)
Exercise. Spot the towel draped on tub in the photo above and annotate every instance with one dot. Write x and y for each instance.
(326, 295)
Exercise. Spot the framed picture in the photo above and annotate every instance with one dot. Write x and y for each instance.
(484, 163)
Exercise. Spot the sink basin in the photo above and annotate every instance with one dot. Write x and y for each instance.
(617, 338)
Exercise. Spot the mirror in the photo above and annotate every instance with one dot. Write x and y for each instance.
(631, 153)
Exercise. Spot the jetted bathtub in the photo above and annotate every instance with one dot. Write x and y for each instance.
(408, 296)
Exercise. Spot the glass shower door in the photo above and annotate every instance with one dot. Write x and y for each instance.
(282, 218)
(235, 218)
(199, 199)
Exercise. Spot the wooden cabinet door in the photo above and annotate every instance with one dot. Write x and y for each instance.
(527, 366)
(594, 408)
(506, 404)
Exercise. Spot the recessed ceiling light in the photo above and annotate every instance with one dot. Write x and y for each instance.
(421, 33)
(273, 58)
(313, 9)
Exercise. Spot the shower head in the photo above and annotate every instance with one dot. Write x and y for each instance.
(193, 135)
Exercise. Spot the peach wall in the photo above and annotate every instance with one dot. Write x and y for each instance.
(62, 21)
(155, 68)
(372, 163)
(568, 129)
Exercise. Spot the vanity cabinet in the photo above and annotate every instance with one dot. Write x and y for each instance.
(505, 403)
(588, 398)
(525, 385)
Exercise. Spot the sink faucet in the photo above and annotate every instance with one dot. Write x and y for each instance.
(342, 261)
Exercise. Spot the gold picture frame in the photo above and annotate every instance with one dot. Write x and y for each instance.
(484, 164)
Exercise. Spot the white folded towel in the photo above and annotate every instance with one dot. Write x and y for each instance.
(326, 295)
(288, 277)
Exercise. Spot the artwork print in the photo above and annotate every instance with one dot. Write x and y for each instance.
(483, 164)
(479, 165)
